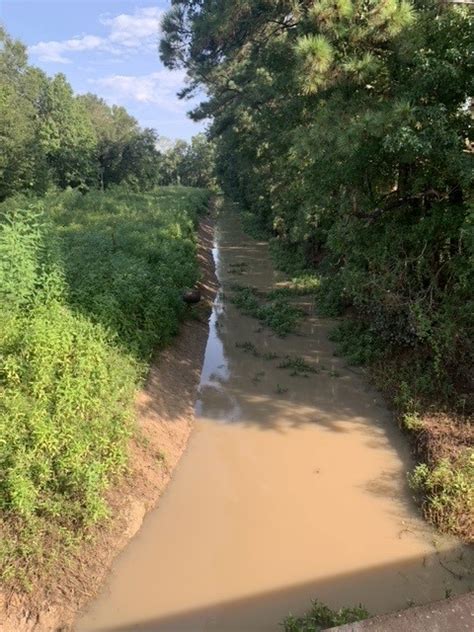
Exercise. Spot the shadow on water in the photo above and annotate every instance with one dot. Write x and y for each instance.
(352, 588)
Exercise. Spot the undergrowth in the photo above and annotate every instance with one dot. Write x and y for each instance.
(90, 286)
(447, 487)
(321, 617)
(297, 366)
(277, 314)
(357, 342)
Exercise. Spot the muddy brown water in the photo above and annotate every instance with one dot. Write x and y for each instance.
(292, 488)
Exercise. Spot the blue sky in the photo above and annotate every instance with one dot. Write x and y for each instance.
(109, 47)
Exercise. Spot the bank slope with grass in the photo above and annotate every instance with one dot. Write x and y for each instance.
(90, 287)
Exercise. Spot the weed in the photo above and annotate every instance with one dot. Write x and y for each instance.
(280, 390)
(270, 355)
(142, 440)
(245, 298)
(412, 422)
(237, 268)
(320, 617)
(298, 366)
(90, 286)
(448, 492)
(248, 347)
(258, 377)
(161, 457)
(299, 286)
(278, 315)
(254, 227)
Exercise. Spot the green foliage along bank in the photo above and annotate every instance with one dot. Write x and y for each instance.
(345, 129)
(90, 285)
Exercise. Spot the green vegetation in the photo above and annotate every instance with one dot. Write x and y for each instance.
(320, 618)
(90, 286)
(354, 340)
(258, 376)
(190, 164)
(277, 314)
(298, 366)
(237, 268)
(270, 355)
(248, 347)
(303, 285)
(448, 491)
(50, 137)
(344, 132)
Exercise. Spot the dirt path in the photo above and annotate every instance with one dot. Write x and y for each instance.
(165, 417)
(293, 487)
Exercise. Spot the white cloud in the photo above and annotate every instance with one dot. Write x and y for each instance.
(135, 30)
(54, 51)
(158, 88)
(126, 32)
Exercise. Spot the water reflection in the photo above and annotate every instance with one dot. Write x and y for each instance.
(219, 404)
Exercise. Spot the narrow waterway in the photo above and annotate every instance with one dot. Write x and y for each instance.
(292, 488)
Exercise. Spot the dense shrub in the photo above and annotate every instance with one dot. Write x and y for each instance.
(90, 286)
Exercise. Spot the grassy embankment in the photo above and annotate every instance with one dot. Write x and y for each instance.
(425, 378)
(90, 287)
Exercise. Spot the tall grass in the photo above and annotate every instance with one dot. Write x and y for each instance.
(89, 286)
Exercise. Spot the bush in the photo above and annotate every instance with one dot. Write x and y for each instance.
(356, 341)
(448, 492)
(90, 285)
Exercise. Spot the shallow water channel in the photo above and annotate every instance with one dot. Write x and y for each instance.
(292, 488)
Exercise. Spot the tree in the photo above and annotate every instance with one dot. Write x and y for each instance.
(21, 164)
(191, 164)
(343, 127)
(124, 152)
(197, 169)
(66, 135)
(49, 136)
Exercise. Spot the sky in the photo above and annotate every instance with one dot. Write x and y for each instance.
(109, 47)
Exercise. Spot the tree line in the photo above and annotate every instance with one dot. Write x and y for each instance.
(52, 137)
(343, 126)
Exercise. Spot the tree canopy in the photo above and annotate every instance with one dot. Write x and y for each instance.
(51, 137)
(344, 126)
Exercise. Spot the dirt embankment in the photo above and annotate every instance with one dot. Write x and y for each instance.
(165, 415)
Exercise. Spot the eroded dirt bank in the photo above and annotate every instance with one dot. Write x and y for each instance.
(165, 416)
(293, 487)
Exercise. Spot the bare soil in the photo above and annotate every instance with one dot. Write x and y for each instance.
(165, 416)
